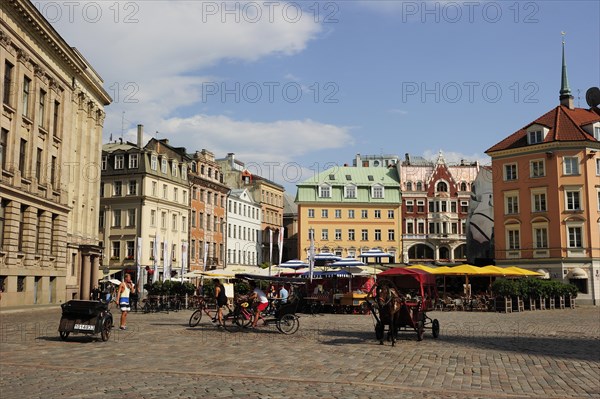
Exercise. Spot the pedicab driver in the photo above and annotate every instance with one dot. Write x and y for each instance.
(258, 296)
(125, 290)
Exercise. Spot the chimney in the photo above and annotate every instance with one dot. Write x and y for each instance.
(140, 135)
(357, 161)
(231, 158)
(407, 158)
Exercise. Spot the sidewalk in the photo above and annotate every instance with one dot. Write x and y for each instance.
(27, 308)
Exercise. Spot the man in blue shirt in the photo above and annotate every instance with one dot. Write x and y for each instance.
(283, 294)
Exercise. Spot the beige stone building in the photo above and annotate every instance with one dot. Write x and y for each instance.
(50, 143)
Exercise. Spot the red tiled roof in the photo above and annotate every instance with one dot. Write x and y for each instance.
(565, 125)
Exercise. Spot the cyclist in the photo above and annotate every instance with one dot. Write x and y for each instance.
(221, 299)
(257, 295)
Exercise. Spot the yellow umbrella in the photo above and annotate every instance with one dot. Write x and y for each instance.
(461, 270)
(497, 271)
(518, 271)
(422, 267)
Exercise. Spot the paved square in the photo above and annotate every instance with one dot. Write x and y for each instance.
(545, 354)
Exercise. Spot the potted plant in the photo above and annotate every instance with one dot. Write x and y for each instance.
(540, 298)
(571, 294)
(530, 291)
(550, 293)
(517, 296)
(503, 290)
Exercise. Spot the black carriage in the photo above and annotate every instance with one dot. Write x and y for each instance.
(85, 317)
(409, 311)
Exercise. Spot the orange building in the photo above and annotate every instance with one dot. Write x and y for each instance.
(547, 195)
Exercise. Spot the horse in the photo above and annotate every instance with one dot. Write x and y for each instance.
(388, 304)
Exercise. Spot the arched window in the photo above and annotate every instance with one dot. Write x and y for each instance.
(201, 169)
(409, 186)
(419, 186)
(442, 186)
(463, 186)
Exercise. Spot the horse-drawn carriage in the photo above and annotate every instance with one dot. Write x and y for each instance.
(400, 300)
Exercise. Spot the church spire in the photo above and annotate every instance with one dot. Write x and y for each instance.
(565, 97)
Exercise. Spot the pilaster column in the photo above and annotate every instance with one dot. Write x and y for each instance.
(95, 270)
(84, 285)
(45, 231)
(29, 230)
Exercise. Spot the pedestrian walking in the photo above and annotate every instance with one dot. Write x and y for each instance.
(123, 297)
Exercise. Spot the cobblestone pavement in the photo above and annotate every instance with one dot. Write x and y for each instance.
(545, 354)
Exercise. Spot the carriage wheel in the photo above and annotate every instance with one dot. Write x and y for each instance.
(379, 330)
(288, 324)
(435, 328)
(105, 332)
(64, 335)
(195, 318)
(420, 330)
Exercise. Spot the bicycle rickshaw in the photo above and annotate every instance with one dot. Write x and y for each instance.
(390, 305)
(85, 317)
(283, 316)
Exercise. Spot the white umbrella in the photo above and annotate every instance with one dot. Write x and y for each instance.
(347, 262)
(114, 281)
(294, 264)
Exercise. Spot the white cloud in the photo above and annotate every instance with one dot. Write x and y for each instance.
(398, 111)
(159, 48)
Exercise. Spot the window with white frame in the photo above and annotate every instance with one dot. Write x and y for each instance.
(540, 237)
(351, 236)
(597, 132)
(163, 220)
(377, 235)
(350, 213)
(118, 189)
(391, 235)
(575, 236)
(165, 191)
(510, 172)
(133, 161)
(535, 137)
(153, 218)
(538, 202)
(390, 213)
(324, 213)
(104, 163)
(325, 234)
(119, 161)
(184, 172)
(132, 188)
(377, 214)
(311, 213)
(174, 168)
(338, 213)
(174, 222)
(410, 227)
(573, 200)
(420, 206)
(338, 234)
(116, 249)
(536, 168)
(571, 165)
(325, 191)
(512, 238)
(364, 235)
(598, 167)
(163, 165)
(364, 214)
(511, 204)
(131, 217)
(410, 207)
(175, 194)
(117, 218)
(377, 191)
(153, 162)
(350, 191)
(154, 188)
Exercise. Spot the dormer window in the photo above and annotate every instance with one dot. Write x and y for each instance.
(377, 191)
(163, 165)
(184, 172)
(153, 162)
(325, 191)
(597, 132)
(119, 161)
(536, 134)
(350, 191)
(174, 168)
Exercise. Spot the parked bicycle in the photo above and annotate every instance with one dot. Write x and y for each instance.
(206, 307)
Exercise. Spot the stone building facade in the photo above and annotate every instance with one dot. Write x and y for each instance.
(208, 214)
(50, 143)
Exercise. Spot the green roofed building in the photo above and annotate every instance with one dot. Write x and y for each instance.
(351, 210)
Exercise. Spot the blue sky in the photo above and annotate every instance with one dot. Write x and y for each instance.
(391, 77)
